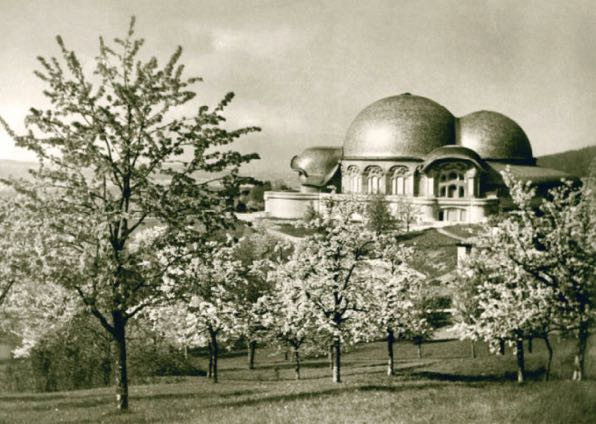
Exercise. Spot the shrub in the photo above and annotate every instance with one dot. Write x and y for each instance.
(79, 357)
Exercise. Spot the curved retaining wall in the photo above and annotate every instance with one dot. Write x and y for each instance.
(289, 205)
(292, 205)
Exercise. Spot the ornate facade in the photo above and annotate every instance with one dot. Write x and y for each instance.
(410, 147)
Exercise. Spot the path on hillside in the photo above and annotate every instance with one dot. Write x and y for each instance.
(450, 234)
(257, 217)
(282, 235)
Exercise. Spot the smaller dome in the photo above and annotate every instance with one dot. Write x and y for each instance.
(494, 136)
(317, 165)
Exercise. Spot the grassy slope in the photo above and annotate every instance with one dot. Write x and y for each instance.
(435, 254)
(464, 230)
(440, 251)
(445, 386)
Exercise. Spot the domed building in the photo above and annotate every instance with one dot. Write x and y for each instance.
(411, 148)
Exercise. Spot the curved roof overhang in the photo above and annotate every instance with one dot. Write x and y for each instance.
(453, 153)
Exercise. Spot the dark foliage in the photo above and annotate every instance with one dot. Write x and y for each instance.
(379, 217)
(79, 357)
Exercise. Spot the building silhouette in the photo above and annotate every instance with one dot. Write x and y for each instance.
(411, 148)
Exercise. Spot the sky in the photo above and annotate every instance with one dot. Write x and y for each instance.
(302, 70)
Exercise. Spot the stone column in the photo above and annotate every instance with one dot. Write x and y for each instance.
(422, 185)
(477, 213)
(471, 187)
(409, 185)
(430, 185)
(471, 177)
(345, 182)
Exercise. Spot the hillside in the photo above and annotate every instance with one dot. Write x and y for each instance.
(444, 386)
(14, 168)
(574, 162)
(435, 253)
(19, 169)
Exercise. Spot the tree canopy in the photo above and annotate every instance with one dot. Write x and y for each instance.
(120, 149)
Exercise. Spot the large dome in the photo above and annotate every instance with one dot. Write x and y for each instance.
(399, 126)
(494, 136)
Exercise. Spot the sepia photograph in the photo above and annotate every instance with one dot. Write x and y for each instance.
(307, 211)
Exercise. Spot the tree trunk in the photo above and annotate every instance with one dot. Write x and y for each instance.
(214, 354)
(549, 361)
(419, 349)
(330, 356)
(501, 347)
(521, 366)
(252, 347)
(579, 359)
(530, 344)
(46, 372)
(390, 361)
(337, 361)
(210, 367)
(106, 362)
(473, 348)
(286, 356)
(120, 371)
(297, 364)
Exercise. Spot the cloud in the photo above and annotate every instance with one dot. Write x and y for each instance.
(272, 119)
(266, 42)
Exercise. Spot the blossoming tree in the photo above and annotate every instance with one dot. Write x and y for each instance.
(507, 303)
(556, 245)
(397, 309)
(20, 252)
(120, 148)
(535, 270)
(257, 252)
(32, 305)
(329, 267)
(289, 317)
(203, 290)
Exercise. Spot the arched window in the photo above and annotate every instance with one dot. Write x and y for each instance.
(354, 179)
(374, 178)
(398, 180)
(452, 182)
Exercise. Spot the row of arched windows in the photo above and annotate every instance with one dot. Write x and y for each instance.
(373, 180)
(450, 181)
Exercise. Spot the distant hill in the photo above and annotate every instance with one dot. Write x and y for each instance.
(14, 168)
(19, 169)
(574, 162)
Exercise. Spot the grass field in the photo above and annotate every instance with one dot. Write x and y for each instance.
(445, 386)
